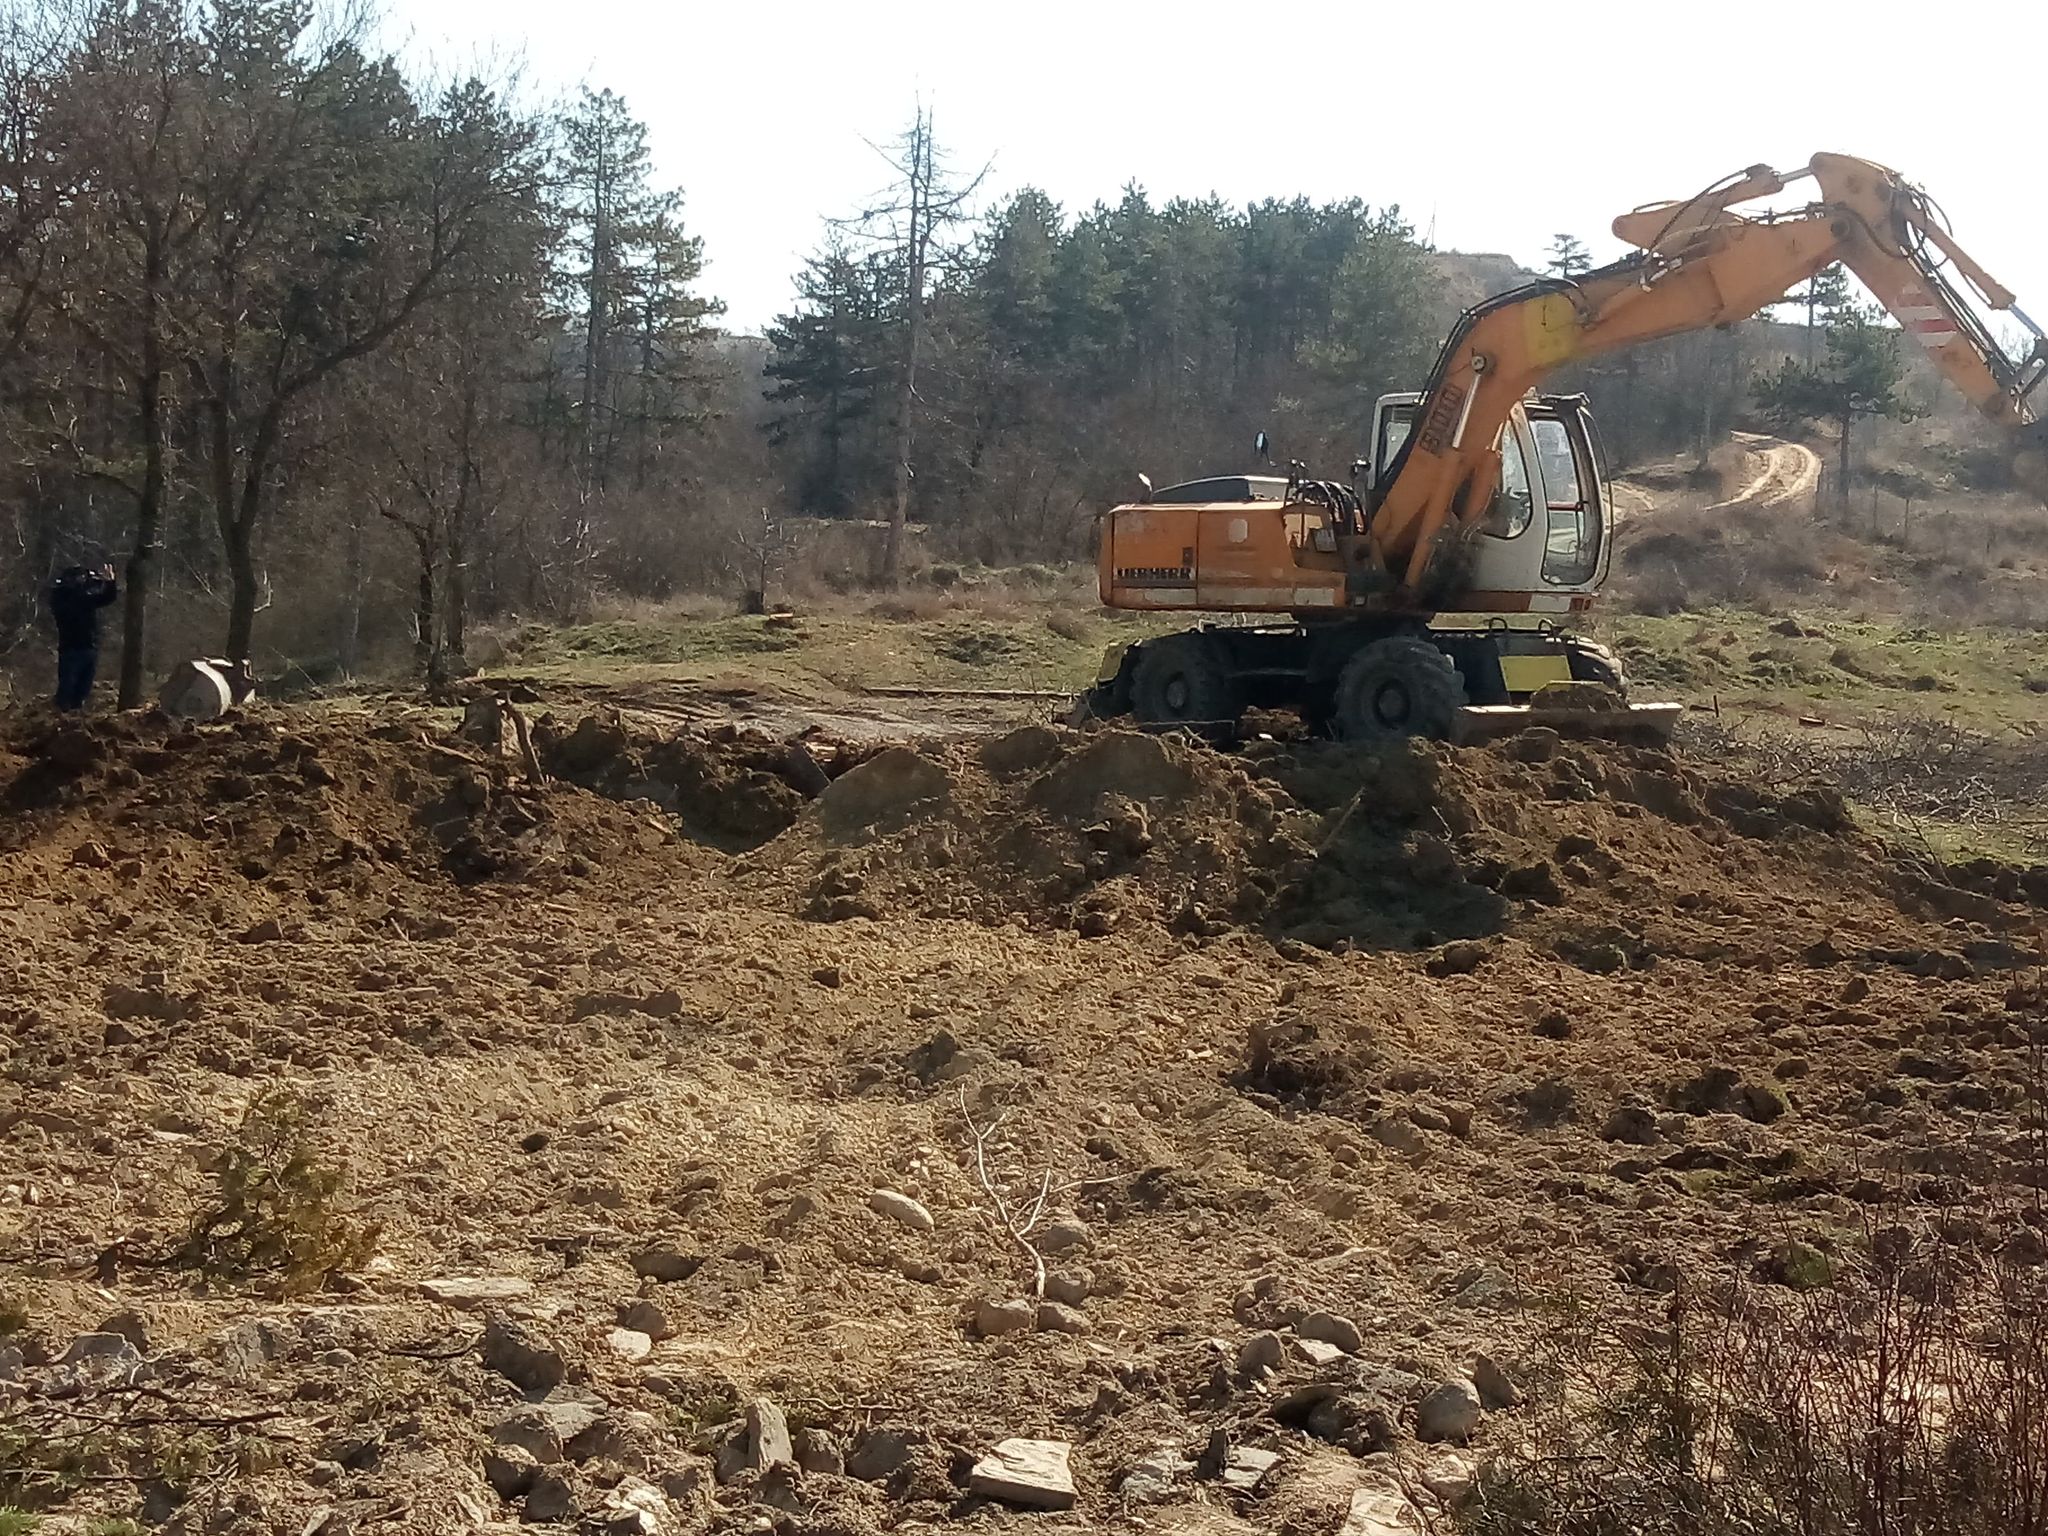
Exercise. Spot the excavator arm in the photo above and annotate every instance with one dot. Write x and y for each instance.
(1697, 264)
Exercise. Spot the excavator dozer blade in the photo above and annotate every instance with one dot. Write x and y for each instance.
(1476, 723)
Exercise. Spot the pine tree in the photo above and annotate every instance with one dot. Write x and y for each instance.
(1568, 256)
(1861, 376)
(830, 362)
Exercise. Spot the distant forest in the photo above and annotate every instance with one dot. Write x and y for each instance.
(335, 361)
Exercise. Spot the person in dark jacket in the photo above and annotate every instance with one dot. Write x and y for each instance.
(76, 598)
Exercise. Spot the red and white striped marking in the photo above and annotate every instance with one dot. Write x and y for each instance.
(1929, 322)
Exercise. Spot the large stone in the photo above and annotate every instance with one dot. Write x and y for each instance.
(1449, 1411)
(635, 1507)
(1069, 1287)
(901, 1208)
(1318, 1353)
(817, 1450)
(510, 1470)
(552, 1497)
(995, 1317)
(1031, 1473)
(1329, 1328)
(516, 1354)
(471, 1291)
(1062, 1236)
(763, 1443)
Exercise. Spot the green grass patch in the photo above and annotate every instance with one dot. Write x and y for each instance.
(1843, 669)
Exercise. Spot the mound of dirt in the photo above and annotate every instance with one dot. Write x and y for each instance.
(1603, 854)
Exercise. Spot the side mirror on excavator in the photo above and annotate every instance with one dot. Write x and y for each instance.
(1262, 445)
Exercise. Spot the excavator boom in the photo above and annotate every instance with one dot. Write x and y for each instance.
(1698, 264)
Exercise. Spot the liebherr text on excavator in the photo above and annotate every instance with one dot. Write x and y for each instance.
(1425, 597)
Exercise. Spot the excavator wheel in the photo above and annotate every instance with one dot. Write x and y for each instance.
(1184, 680)
(1399, 686)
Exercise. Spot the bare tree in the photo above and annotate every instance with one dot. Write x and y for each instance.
(925, 200)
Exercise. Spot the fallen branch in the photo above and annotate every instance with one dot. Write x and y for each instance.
(1018, 1230)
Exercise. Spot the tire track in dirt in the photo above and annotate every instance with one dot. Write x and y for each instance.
(1784, 473)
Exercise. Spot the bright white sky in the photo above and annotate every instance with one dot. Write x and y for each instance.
(1494, 124)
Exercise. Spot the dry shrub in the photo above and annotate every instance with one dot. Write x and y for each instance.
(277, 1208)
(1909, 1395)
(1895, 1386)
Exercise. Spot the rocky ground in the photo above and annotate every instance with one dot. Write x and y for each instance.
(1055, 1128)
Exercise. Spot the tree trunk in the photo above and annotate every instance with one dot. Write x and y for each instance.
(1842, 466)
(906, 394)
(148, 527)
(352, 612)
(426, 645)
(238, 518)
(149, 504)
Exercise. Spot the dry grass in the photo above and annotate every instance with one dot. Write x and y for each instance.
(1894, 1383)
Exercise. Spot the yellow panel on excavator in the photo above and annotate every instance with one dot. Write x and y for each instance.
(1553, 333)
(1525, 674)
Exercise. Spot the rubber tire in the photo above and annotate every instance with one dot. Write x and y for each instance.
(1182, 680)
(1418, 680)
(1592, 663)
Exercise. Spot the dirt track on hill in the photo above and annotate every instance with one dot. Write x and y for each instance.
(1412, 1037)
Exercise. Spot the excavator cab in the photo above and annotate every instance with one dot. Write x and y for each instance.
(1544, 539)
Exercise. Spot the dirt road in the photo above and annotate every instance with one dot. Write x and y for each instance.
(1783, 474)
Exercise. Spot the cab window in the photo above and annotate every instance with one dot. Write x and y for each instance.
(1513, 506)
(1396, 422)
(1571, 541)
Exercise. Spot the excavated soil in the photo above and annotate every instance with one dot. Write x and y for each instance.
(1415, 1037)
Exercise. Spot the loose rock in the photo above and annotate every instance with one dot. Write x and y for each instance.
(1062, 1236)
(1331, 1329)
(818, 1451)
(1157, 1476)
(1247, 1467)
(1053, 1317)
(469, 1292)
(993, 1318)
(666, 1263)
(1492, 1383)
(1379, 1512)
(516, 1354)
(644, 1316)
(1260, 1353)
(630, 1344)
(1031, 1473)
(1448, 1412)
(901, 1208)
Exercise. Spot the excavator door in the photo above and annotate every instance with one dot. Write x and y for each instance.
(1542, 547)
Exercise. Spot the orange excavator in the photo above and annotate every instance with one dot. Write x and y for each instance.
(1425, 595)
